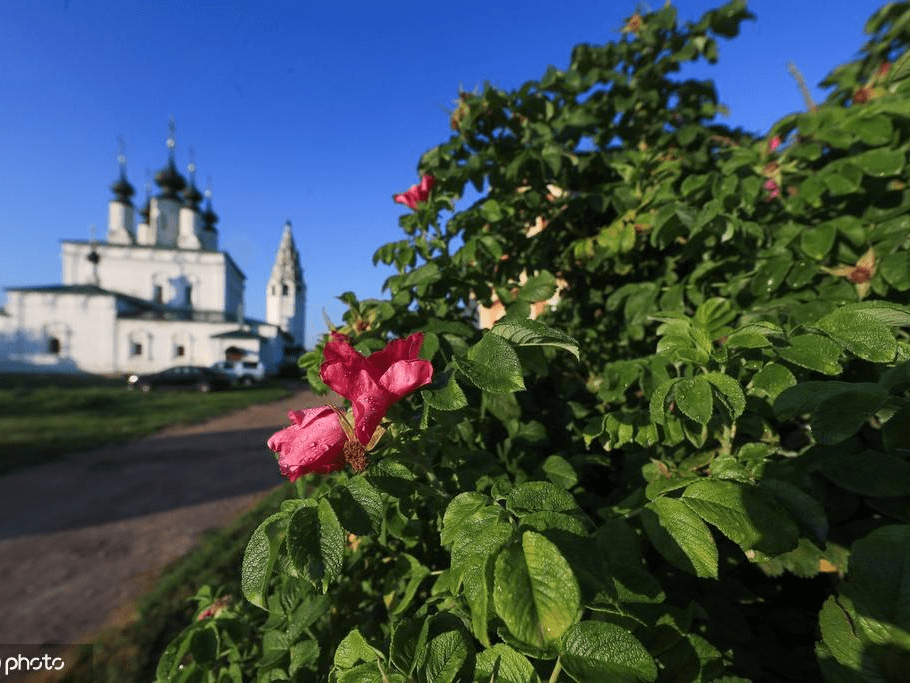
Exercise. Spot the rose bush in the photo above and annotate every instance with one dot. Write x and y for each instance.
(693, 467)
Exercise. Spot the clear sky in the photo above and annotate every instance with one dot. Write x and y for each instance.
(316, 112)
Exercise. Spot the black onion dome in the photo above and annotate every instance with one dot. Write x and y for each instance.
(146, 211)
(170, 181)
(123, 189)
(191, 196)
(209, 217)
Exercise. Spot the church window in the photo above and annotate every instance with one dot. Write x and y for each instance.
(189, 295)
(179, 350)
(53, 345)
(274, 291)
(284, 289)
(136, 349)
(158, 294)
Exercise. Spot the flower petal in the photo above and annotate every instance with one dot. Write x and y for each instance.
(396, 350)
(405, 376)
(314, 443)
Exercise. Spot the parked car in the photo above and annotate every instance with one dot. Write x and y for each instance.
(181, 377)
(242, 371)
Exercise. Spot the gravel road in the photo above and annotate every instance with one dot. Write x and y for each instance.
(82, 538)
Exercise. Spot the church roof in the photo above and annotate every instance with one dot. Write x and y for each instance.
(238, 334)
(287, 260)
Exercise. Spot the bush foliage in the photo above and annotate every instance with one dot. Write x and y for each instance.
(694, 467)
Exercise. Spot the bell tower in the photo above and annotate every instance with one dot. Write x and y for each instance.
(285, 299)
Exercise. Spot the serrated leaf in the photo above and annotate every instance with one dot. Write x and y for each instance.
(681, 536)
(534, 496)
(527, 332)
(315, 542)
(502, 664)
(560, 471)
(353, 648)
(450, 397)
(492, 365)
(743, 514)
(730, 390)
(861, 334)
(259, 558)
(694, 398)
(358, 506)
(772, 379)
(447, 654)
(814, 352)
(600, 651)
(880, 590)
(535, 592)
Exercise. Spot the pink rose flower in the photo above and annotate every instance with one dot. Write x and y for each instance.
(314, 443)
(373, 384)
(417, 193)
(772, 188)
(773, 143)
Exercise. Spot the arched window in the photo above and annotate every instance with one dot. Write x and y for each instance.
(53, 346)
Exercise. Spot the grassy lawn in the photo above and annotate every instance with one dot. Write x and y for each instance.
(45, 417)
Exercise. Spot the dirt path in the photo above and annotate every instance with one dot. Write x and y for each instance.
(82, 538)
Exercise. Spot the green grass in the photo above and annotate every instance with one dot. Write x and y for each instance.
(130, 654)
(46, 417)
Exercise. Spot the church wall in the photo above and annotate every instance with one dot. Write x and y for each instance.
(216, 283)
(66, 332)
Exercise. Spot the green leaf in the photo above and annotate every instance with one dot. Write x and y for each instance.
(731, 392)
(861, 334)
(492, 365)
(358, 506)
(880, 163)
(527, 332)
(772, 379)
(353, 648)
(816, 241)
(841, 416)
(870, 473)
(539, 287)
(447, 654)
(879, 589)
(600, 651)
(680, 536)
(694, 398)
(843, 644)
(491, 211)
(744, 515)
(315, 542)
(535, 592)
(560, 471)
(502, 664)
(805, 510)
(450, 397)
(259, 558)
(814, 352)
(534, 496)
(459, 510)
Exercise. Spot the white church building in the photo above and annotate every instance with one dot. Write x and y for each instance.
(157, 292)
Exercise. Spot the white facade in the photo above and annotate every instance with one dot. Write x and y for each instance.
(152, 295)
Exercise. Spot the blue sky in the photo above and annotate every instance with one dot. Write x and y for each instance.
(316, 112)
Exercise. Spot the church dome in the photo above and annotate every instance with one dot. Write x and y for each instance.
(209, 217)
(122, 188)
(191, 195)
(169, 180)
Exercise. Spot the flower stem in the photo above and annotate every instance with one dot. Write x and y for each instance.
(556, 671)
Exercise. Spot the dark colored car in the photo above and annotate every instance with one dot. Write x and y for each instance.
(181, 377)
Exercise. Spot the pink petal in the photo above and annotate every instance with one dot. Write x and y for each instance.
(406, 199)
(396, 350)
(315, 443)
(405, 376)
